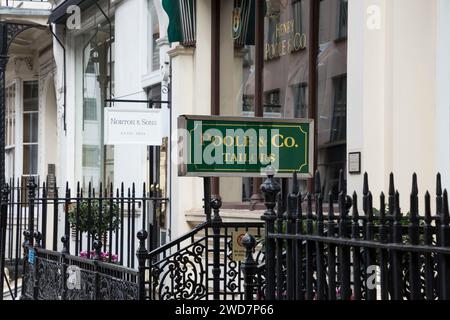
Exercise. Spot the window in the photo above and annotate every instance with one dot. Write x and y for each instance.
(90, 109)
(331, 160)
(271, 51)
(343, 19)
(297, 12)
(332, 93)
(91, 156)
(95, 52)
(30, 127)
(248, 103)
(300, 100)
(153, 22)
(90, 68)
(10, 130)
(272, 101)
(155, 52)
(339, 122)
(10, 116)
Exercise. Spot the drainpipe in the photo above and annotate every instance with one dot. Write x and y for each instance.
(313, 51)
(215, 75)
(259, 81)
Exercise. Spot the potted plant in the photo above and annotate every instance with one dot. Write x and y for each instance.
(86, 217)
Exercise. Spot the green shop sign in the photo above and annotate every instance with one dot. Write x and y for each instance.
(244, 147)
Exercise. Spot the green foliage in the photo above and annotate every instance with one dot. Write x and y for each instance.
(89, 220)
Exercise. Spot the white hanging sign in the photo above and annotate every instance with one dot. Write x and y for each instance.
(124, 126)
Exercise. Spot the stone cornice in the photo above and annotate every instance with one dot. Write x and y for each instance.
(180, 50)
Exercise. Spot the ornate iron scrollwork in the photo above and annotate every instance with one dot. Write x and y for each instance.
(115, 289)
(49, 280)
(180, 276)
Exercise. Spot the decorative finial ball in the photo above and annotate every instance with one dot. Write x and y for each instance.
(248, 241)
(142, 235)
(216, 203)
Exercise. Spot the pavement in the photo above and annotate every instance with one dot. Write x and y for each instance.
(6, 292)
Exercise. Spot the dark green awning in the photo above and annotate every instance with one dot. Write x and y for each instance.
(182, 20)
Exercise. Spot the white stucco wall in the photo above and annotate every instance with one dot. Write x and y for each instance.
(392, 94)
(443, 90)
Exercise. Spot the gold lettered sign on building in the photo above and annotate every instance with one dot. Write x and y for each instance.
(238, 250)
(244, 147)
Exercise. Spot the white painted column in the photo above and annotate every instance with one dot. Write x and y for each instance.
(367, 85)
(129, 161)
(391, 93)
(443, 90)
(184, 190)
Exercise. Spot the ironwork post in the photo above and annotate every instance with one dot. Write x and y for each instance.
(270, 188)
(97, 244)
(3, 222)
(31, 198)
(207, 197)
(216, 224)
(249, 266)
(141, 255)
(38, 237)
(29, 236)
(4, 198)
(445, 238)
(63, 261)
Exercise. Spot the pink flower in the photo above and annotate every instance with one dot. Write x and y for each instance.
(103, 255)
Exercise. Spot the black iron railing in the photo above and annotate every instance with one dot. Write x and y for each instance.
(92, 224)
(198, 265)
(302, 254)
(53, 276)
(327, 255)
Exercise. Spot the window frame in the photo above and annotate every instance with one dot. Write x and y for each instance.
(29, 144)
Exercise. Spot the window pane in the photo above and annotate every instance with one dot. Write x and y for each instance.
(10, 115)
(343, 14)
(297, 12)
(339, 122)
(300, 100)
(90, 109)
(30, 127)
(153, 55)
(95, 50)
(272, 101)
(30, 159)
(331, 94)
(286, 62)
(91, 156)
(330, 161)
(30, 96)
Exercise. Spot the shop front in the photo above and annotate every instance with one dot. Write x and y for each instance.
(290, 63)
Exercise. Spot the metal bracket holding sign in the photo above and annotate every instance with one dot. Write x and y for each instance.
(245, 147)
